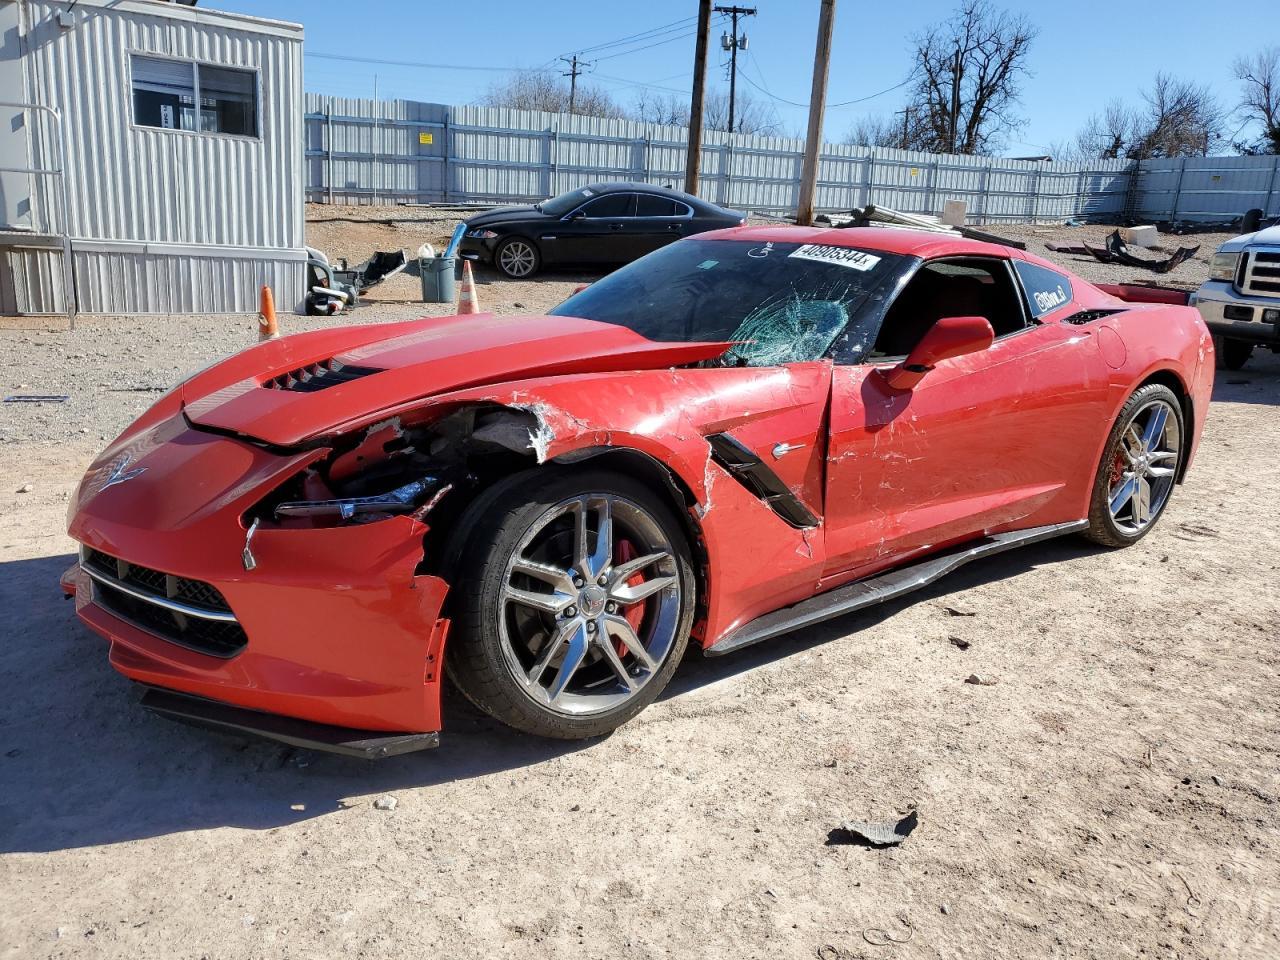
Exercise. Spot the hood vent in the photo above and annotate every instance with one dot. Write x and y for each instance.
(318, 376)
(1088, 316)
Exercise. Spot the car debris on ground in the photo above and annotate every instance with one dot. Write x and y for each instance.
(884, 833)
(1117, 251)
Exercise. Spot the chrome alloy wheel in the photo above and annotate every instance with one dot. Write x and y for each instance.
(1145, 466)
(517, 259)
(591, 604)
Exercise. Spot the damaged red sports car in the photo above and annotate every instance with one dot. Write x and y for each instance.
(739, 435)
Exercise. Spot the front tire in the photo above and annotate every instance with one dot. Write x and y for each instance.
(1233, 354)
(1140, 465)
(517, 258)
(576, 599)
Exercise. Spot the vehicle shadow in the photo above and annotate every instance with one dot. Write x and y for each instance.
(1258, 382)
(82, 765)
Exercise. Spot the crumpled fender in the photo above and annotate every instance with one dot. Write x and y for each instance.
(757, 561)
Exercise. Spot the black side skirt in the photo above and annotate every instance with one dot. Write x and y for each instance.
(882, 587)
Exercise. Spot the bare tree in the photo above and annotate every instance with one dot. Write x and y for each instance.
(1108, 135)
(1177, 118)
(968, 71)
(546, 90)
(1181, 119)
(751, 116)
(1259, 76)
(879, 131)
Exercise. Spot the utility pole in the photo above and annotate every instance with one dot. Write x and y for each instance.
(817, 106)
(693, 156)
(575, 68)
(906, 125)
(733, 43)
(955, 97)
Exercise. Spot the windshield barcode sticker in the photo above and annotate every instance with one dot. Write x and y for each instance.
(843, 256)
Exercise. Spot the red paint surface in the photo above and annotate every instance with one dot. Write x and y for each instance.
(341, 628)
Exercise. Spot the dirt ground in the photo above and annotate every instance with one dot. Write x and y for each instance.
(1114, 793)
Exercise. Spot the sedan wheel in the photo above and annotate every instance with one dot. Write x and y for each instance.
(517, 258)
(1139, 468)
(585, 607)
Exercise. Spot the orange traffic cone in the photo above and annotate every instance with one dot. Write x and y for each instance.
(467, 300)
(268, 328)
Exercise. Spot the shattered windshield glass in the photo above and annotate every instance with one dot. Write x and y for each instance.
(779, 302)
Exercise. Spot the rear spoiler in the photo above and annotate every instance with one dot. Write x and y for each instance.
(1138, 293)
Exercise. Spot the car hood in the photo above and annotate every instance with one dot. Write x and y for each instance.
(504, 215)
(1271, 235)
(286, 392)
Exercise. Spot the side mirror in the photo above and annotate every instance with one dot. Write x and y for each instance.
(949, 337)
(578, 214)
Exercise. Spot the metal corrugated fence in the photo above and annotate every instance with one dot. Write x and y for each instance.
(363, 151)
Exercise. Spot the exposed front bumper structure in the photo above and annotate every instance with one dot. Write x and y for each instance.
(340, 630)
(1228, 313)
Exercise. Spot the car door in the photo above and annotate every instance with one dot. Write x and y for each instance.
(594, 233)
(998, 439)
(658, 221)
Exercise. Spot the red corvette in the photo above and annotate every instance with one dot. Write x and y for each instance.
(739, 435)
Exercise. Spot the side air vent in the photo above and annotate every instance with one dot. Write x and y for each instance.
(750, 471)
(1088, 316)
(318, 376)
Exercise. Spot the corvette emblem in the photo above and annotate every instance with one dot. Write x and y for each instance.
(119, 474)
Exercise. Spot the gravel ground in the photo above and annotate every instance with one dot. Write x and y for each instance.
(1115, 792)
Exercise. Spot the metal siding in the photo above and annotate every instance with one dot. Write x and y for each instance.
(132, 183)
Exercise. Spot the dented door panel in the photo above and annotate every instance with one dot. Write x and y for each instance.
(994, 440)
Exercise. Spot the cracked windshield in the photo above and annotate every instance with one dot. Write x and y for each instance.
(778, 302)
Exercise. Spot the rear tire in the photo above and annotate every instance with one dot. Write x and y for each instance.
(1139, 467)
(562, 631)
(1233, 354)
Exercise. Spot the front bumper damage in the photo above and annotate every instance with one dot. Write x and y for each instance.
(344, 636)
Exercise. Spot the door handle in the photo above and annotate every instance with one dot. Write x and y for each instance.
(615, 226)
(674, 227)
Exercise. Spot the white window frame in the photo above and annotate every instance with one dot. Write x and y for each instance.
(195, 72)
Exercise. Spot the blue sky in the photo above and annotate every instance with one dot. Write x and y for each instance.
(1088, 50)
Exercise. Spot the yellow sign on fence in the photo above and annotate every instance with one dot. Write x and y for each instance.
(424, 138)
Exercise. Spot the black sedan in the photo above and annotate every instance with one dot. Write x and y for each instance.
(604, 223)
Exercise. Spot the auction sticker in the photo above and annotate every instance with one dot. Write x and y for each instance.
(841, 256)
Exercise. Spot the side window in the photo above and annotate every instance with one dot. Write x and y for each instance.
(166, 94)
(960, 287)
(647, 205)
(611, 205)
(1047, 290)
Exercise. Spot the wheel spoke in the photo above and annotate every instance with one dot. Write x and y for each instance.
(552, 603)
(615, 661)
(560, 579)
(581, 549)
(575, 652)
(604, 539)
(624, 593)
(1142, 502)
(1158, 455)
(1131, 443)
(552, 647)
(1155, 427)
(1122, 494)
(1159, 471)
(625, 571)
(619, 629)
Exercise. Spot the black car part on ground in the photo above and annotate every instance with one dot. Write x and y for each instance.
(1117, 251)
(331, 290)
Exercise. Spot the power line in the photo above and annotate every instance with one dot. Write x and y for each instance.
(638, 37)
(830, 106)
(659, 43)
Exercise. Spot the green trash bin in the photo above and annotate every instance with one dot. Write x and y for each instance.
(437, 275)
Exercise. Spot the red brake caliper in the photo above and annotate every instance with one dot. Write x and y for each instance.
(634, 614)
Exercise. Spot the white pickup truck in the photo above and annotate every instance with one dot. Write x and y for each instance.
(1240, 302)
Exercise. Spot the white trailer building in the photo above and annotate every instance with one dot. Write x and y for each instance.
(150, 159)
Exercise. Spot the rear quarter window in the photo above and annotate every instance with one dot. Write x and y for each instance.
(1047, 290)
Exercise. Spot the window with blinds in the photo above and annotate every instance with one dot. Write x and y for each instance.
(198, 97)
